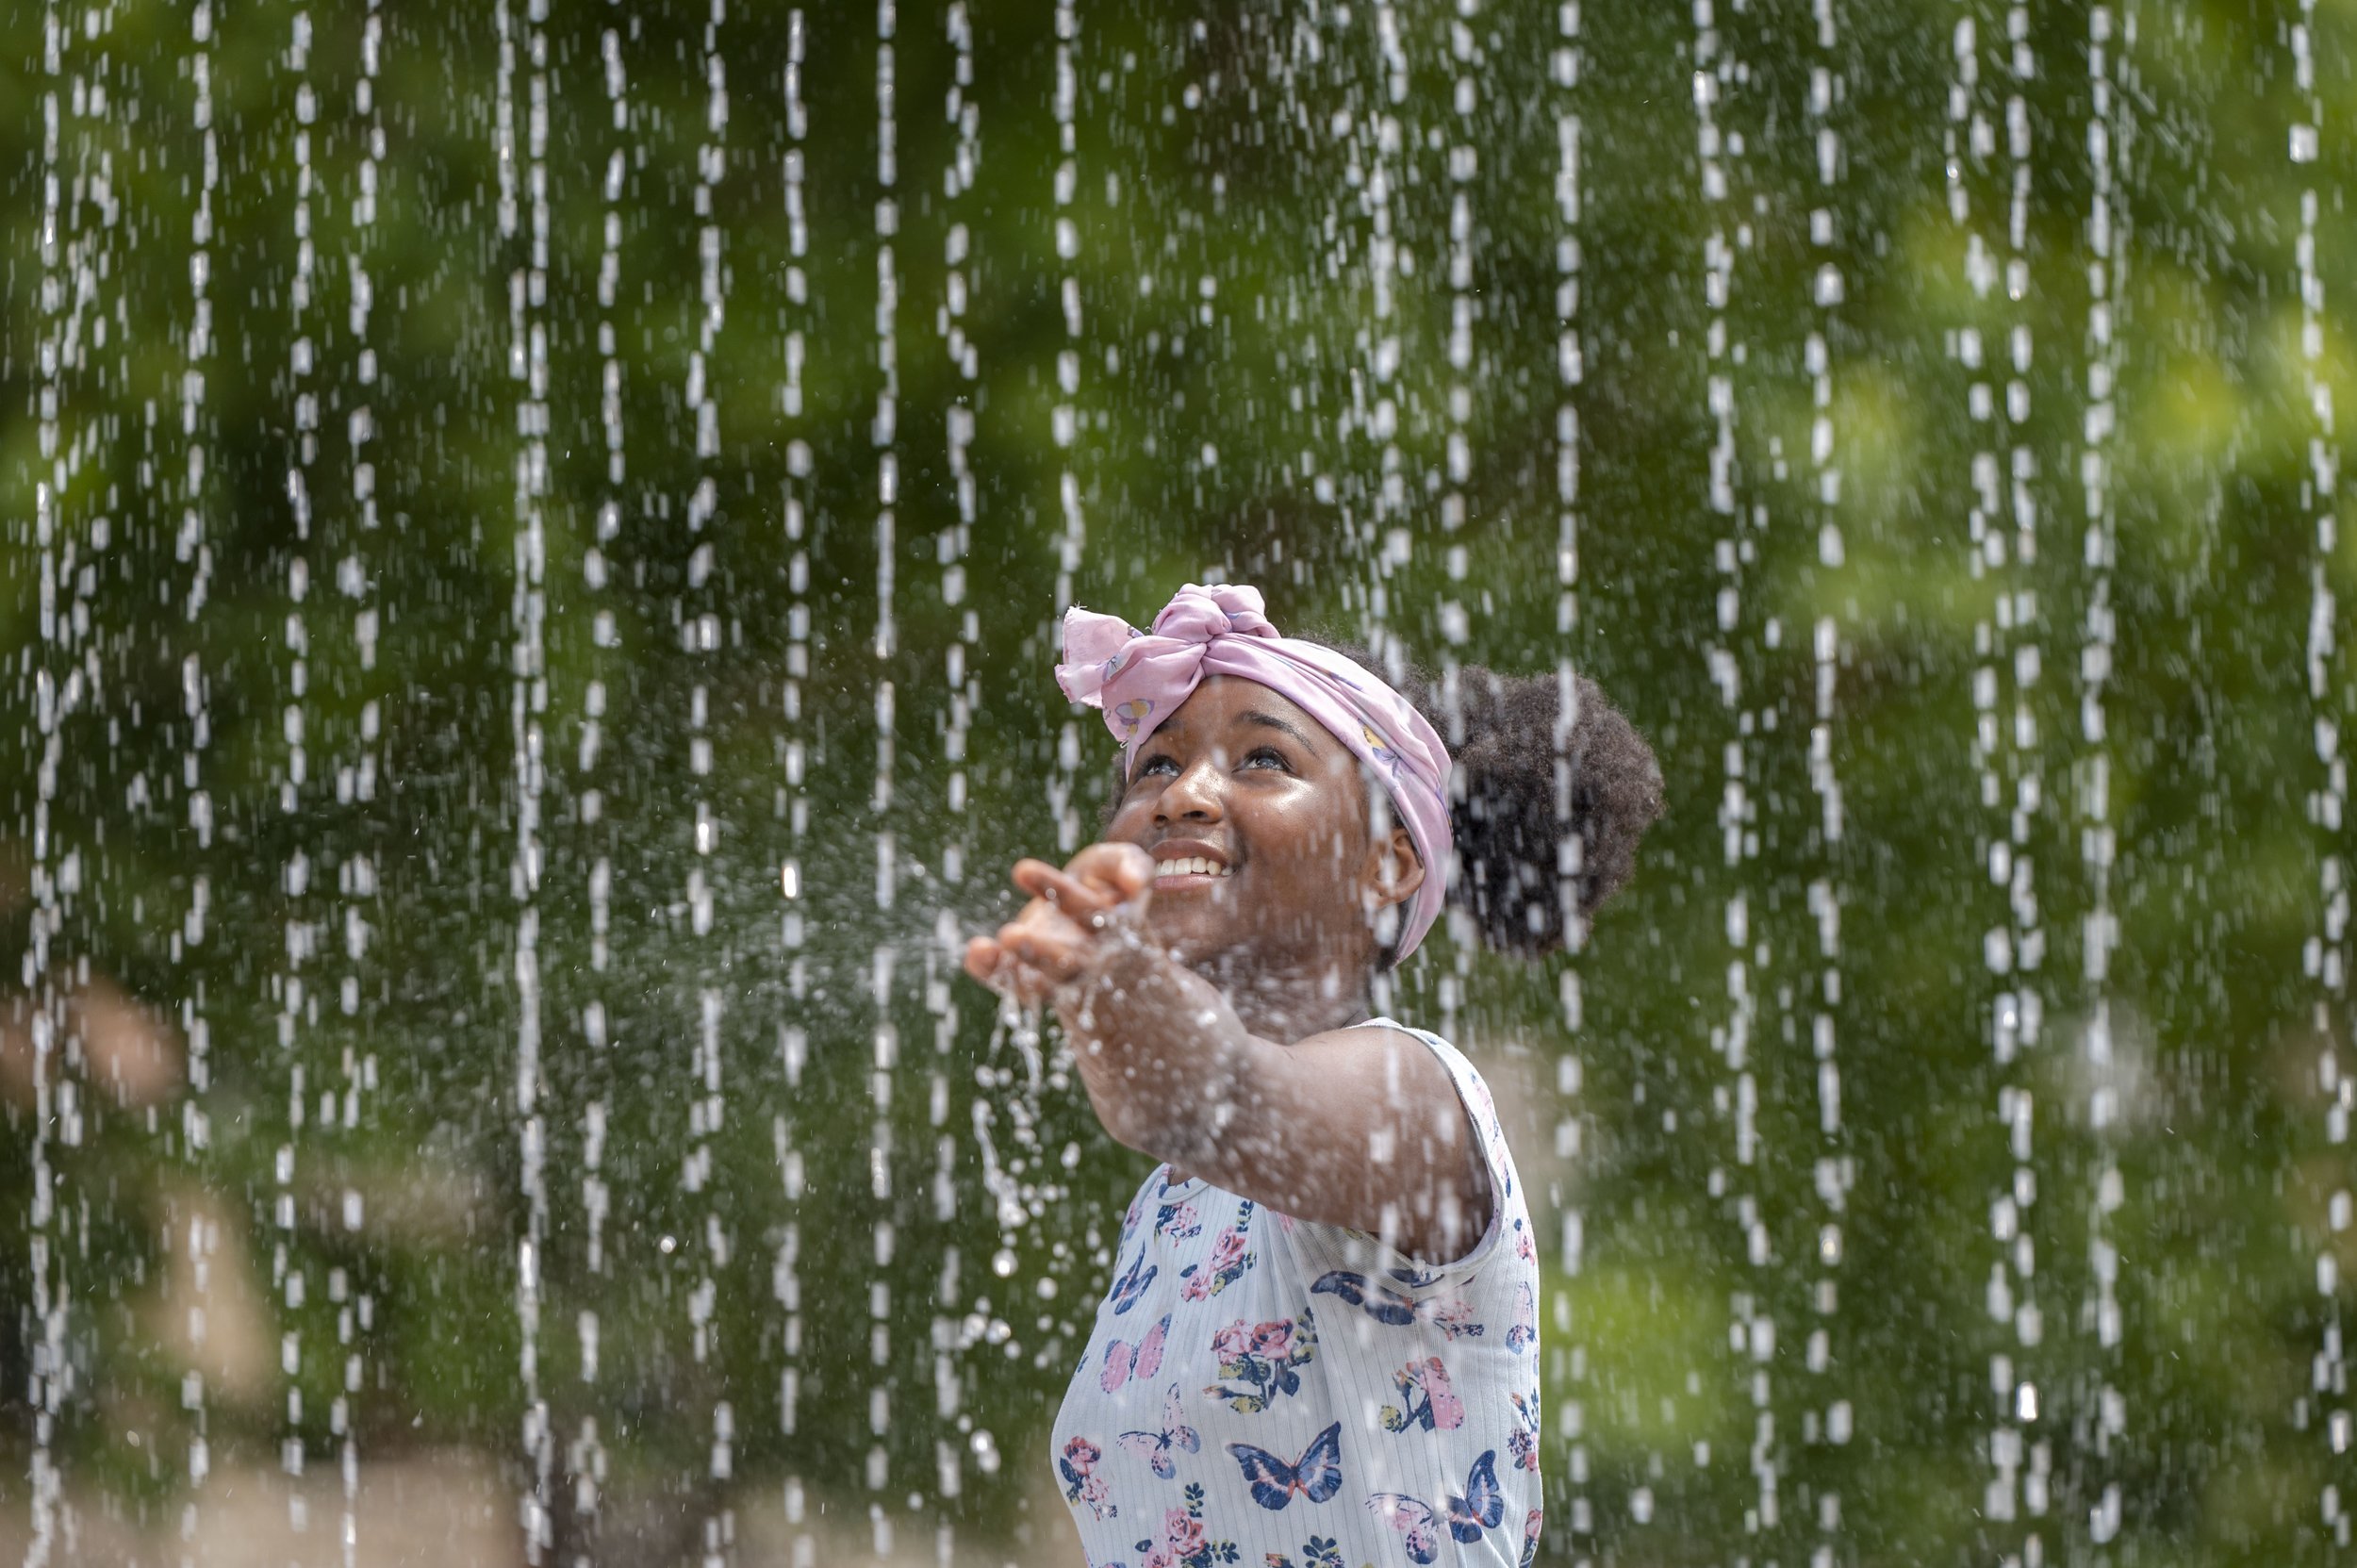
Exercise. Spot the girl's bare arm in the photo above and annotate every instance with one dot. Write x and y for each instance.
(1360, 1126)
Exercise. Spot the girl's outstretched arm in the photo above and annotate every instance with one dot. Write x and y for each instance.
(1360, 1126)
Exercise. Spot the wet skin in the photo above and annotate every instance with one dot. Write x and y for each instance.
(1218, 1020)
(1244, 776)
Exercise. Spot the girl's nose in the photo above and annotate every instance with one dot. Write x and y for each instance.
(1194, 796)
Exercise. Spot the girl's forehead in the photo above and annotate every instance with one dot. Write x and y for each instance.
(1221, 701)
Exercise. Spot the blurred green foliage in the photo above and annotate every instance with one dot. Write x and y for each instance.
(1240, 178)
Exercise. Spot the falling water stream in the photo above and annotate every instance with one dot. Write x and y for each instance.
(1828, 1420)
(2103, 1413)
(535, 541)
(2327, 959)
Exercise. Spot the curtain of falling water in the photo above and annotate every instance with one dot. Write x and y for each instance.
(498, 1269)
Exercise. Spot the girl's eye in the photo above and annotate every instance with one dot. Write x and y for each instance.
(1157, 762)
(1267, 755)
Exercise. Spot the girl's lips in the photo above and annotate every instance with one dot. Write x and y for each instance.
(1189, 879)
(1184, 863)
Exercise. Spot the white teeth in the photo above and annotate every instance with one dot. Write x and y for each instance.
(1199, 866)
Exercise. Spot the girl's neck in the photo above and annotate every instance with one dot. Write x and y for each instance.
(1283, 1008)
(1289, 1003)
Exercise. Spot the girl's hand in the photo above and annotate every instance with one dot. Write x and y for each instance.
(1094, 904)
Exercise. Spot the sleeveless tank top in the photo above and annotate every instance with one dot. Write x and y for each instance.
(1264, 1390)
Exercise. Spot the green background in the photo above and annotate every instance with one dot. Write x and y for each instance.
(1281, 225)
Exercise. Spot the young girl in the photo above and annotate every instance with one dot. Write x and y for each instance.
(1319, 1348)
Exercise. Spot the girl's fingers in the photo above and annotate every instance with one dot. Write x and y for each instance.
(1049, 944)
(982, 958)
(1121, 871)
(1030, 987)
(1055, 956)
(1067, 892)
(1026, 964)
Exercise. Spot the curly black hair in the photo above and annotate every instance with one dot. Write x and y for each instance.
(1552, 790)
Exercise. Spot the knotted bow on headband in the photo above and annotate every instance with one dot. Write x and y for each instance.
(1139, 679)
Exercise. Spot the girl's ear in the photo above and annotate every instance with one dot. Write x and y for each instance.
(1393, 871)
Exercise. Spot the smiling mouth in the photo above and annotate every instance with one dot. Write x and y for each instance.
(1170, 871)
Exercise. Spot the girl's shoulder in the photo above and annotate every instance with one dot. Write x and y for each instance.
(1506, 1248)
(1480, 1104)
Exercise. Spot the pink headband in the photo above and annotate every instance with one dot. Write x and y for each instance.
(1139, 679)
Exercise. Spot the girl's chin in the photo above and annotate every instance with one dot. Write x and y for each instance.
(1195, 933)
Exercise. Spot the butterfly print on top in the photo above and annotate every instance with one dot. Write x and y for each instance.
(1124, 1360)
(1452, 1315)
(1481, 1508)
(1317, 1475)
(1158, 1446)
(1131, 1288)
(1287, 1394)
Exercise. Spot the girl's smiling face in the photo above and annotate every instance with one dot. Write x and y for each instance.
(1257, 817)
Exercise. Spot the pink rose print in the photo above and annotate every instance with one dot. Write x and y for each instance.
(1522, 1442)
(1263, 1361)
(1076, 1464)
(1227, 1264)
(1454, 1317)
(1233, 1343)
(1183, 1543)
(1428, 1399)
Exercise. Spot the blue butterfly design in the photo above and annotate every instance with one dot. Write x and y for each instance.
(1524, 1333)
(1131, 1288)
(1417, 1278)
(1317, 1475)
(1175, 1433)
(1386, 1305)
(1481, 1509)
(1380, 1302)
